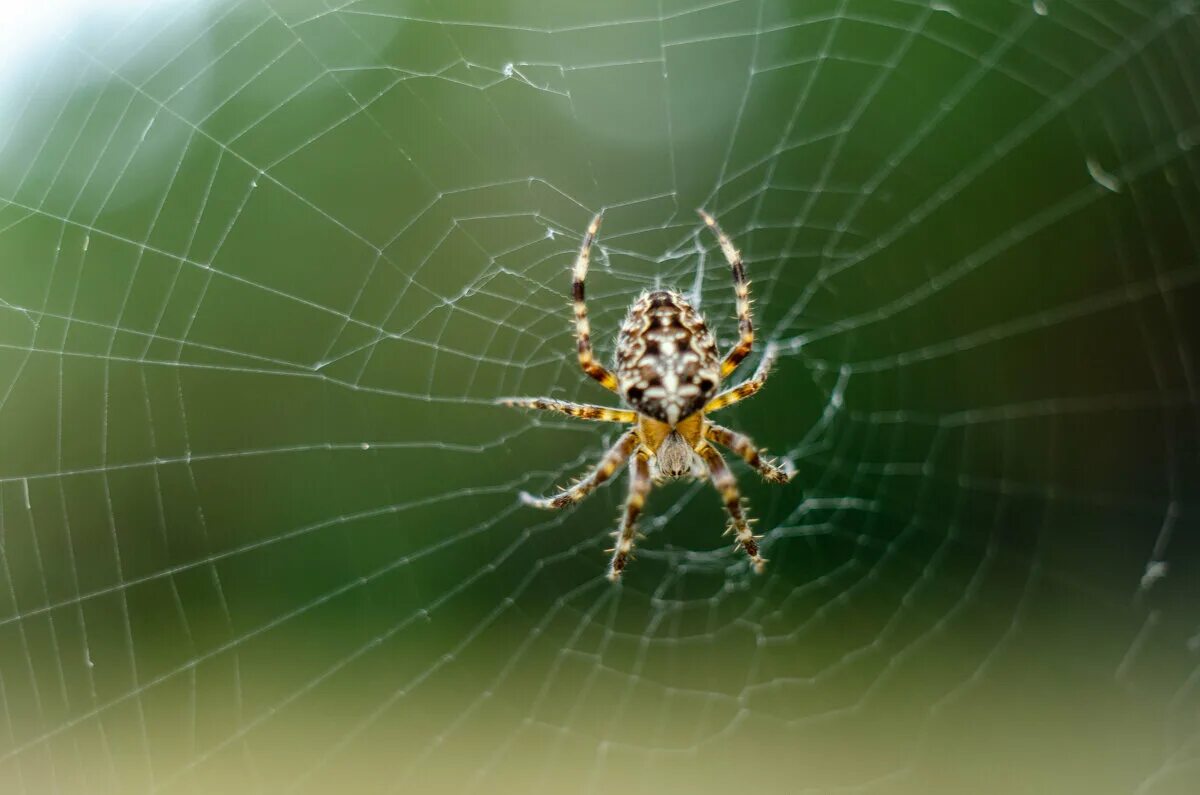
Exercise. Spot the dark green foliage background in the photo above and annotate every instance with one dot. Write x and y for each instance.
(265, 265)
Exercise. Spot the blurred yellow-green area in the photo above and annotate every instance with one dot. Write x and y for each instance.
(265, 266)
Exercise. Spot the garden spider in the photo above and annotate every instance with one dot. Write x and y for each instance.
(668, 372)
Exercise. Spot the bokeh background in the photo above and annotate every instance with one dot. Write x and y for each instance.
(265, 265)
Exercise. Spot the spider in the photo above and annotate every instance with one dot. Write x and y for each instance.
(668, 371)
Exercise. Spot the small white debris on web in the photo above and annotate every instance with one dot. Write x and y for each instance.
(1039, 8)
(28, 504)
(1155, 571)
(365, 445)
(87, 239)
(549, 233)
(945, 8)
(509, 69)
(1102, 177)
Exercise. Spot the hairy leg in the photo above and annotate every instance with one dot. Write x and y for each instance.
(583, 331)
(742, 288)
(743, 447)
(726, 485)
(639, 487)
(616, 455)
(746, 388)
(582, 411)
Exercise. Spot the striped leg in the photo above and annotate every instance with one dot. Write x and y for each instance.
(639, 487)
(741, 444)
(583, 331)
(746, 388)
(726, 485)
(611, 462)
(742, 288)
(581, 410)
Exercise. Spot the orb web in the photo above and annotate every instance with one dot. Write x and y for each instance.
(267, 265)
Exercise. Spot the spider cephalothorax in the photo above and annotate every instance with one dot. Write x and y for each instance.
(669, 372)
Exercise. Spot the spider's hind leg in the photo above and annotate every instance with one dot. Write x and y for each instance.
(583, 330)
(741, 288)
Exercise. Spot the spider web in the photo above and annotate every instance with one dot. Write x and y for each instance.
(266, 265)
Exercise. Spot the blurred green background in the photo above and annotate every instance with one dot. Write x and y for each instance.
(265, 265)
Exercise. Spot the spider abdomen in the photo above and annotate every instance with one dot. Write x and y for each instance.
(667, 360)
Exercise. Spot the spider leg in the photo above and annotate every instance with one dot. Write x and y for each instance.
(726, 485)
(583, 411)
(616, 455)
(741, 444)
(746, 388)
(583, 331)
(639, 487)
(742, 288)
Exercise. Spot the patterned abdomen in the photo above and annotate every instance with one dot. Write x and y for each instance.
(667, 362)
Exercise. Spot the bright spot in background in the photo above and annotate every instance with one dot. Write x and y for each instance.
(42, 65)
(29, 26)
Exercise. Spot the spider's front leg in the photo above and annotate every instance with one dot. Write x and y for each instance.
(741, 444)
(616, 455)
(726, 485)
(639, 487)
